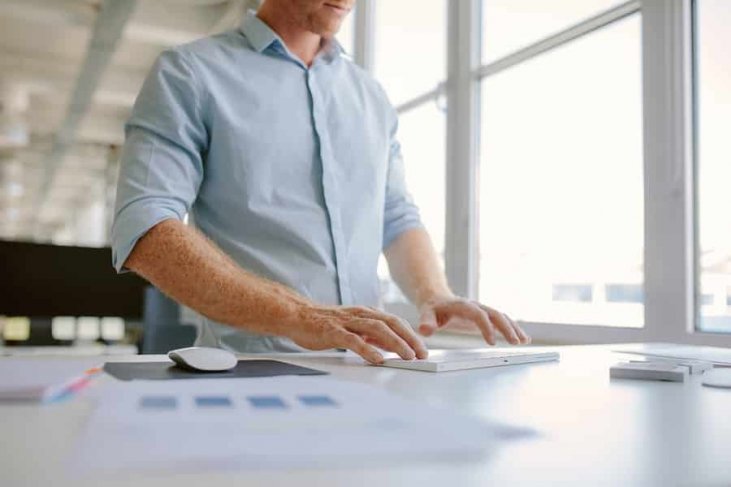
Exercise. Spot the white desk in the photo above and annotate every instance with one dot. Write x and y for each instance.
(590, 431)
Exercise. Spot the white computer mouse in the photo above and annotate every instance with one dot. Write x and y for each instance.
(203, 359)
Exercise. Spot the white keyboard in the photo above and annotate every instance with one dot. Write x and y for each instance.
(448, 360)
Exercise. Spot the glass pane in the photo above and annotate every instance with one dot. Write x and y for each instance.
(422, 133)
(561, 198)
(713, 62)
(410, 48)
(346, 32)
(509, 25)
(410, 60)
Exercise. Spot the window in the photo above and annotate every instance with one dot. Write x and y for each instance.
(410, 50)
(509, 25)
(422, 136)
(574, 181)
(410, 63)
(713, 88)
(561, 191)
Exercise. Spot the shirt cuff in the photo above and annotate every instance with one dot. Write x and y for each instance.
(130, 226)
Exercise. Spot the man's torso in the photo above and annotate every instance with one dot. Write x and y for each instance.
(294, 173)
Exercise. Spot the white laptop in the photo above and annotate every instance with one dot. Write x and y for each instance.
(447, 360)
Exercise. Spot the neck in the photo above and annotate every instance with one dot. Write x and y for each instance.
(301, 42)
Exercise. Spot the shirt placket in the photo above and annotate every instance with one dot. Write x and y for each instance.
(330, 188)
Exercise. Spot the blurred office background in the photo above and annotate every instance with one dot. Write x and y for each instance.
(571, 158)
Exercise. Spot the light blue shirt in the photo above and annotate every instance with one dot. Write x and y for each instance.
(294, 172)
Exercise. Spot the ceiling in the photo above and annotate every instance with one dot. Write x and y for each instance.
(69, 74)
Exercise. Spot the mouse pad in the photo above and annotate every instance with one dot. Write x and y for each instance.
(166, 370)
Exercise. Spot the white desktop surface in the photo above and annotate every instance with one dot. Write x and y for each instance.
(590, 430)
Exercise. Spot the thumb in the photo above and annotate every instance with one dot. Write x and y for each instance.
(428, 322)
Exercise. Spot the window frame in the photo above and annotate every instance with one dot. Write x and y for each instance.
(694, 76)
(670, 276)
(669, 164)
(574, 333)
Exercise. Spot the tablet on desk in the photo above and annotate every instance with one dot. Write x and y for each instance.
(448, 360)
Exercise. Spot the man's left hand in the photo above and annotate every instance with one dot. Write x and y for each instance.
(464, 314)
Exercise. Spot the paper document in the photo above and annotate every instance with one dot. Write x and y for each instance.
(267, 422)
(37, 379)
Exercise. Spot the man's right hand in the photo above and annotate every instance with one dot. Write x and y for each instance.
(356, 328)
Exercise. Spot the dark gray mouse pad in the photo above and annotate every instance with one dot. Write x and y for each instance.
(166, 370)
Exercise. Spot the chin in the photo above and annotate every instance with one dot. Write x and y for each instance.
(326, 24)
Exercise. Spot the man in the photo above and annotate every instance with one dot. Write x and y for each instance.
(284, 153)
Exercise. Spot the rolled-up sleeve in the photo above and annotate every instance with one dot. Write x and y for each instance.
(400, 212)
(161, 165)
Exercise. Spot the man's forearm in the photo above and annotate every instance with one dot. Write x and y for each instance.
(188, 267)
(414, 265)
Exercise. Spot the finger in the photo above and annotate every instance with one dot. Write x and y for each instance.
(524, 337)
(482, 320)
(404, 330)
(351, 341)
(384, 336)
(515, 328)
(507, 328)
(503, 323)
(428, 322)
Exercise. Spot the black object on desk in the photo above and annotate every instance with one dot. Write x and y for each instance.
(166, 370)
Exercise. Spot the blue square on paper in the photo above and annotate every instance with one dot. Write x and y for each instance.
(212, 401)
(158, 402)
(267, 402)
(317, 401)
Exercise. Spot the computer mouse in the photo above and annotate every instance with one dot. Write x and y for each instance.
(203, 359)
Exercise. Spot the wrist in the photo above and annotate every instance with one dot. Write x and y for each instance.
(295, 313)
(283, 310)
